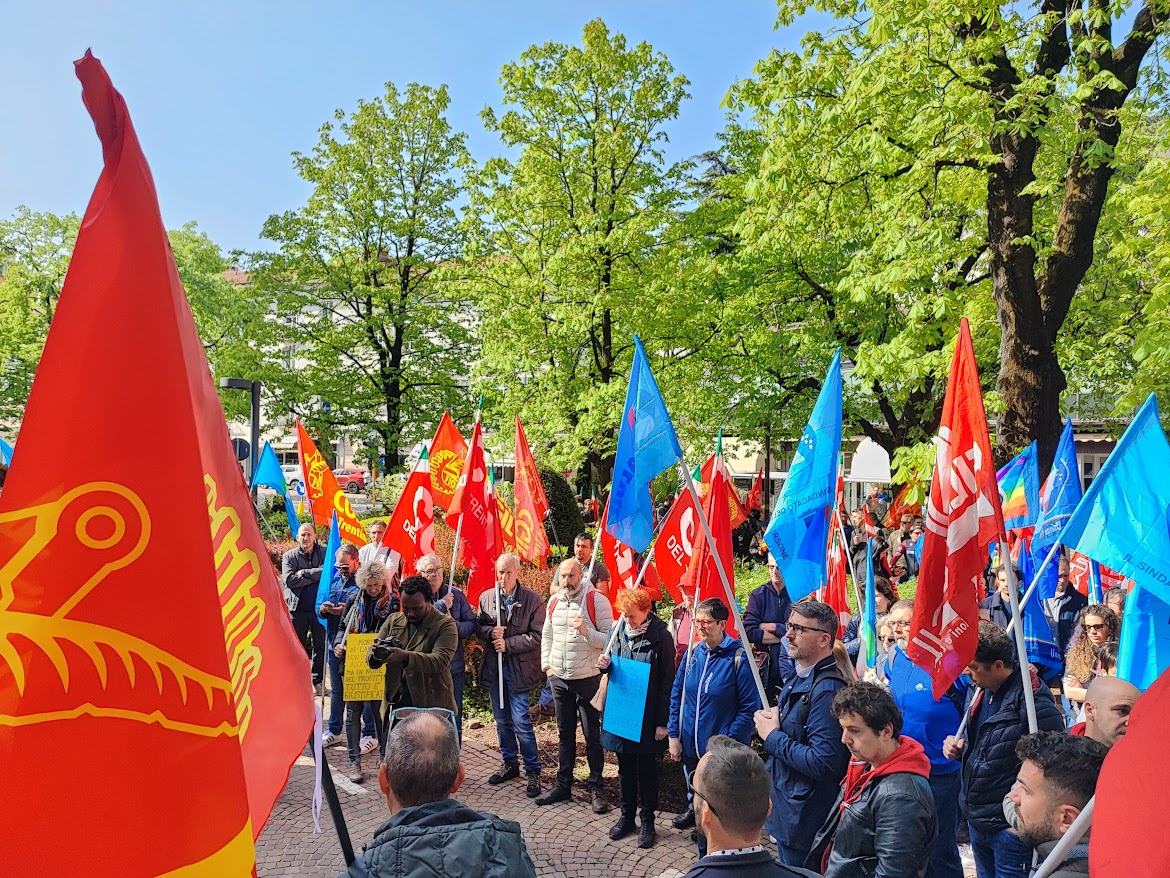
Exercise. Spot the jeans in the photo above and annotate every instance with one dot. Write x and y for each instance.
(514, 727)
(944, 861)
(546, 694)
(571, 699)
(307, 626)
(336, 694)
(638, 778)
(999, 854)
(353, 711)
(458, 681)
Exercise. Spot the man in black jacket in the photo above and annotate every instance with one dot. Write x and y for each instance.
(1064, 608)
(301, 571)
(990, 764)
(518, 640)
(430, 833)
(732, 793)
(884, 820)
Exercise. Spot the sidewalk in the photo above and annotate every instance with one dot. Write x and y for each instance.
(566, 839)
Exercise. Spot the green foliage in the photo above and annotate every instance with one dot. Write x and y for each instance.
(362, 319)
(563, 513)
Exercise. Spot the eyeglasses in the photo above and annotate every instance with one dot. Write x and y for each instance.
(894, 624)
(801, 629)
(398, 714)
(706, 623)
(430, 571)
(695, 792)
(1100, 627)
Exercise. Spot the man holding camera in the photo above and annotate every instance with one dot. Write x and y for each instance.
(416, 645)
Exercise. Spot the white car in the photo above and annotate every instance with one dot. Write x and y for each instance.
(293, 477)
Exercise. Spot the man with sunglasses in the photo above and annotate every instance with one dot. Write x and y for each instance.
(731, 789)
(801, 737)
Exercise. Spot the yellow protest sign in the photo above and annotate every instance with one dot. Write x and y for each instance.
(362, 683)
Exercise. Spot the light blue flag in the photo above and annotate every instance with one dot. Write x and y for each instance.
(1123, 521)
(1144, 651)
(330, 576)
(646, 447)
(270, 475)
(1059, 497)
(5, 453)
(869, 614)
(798, 534)
(1039, 641)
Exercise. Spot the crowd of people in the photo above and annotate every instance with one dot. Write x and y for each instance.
(846, 777)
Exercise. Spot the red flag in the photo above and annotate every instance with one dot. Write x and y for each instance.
(448, 451)
(836, 592)
(871, 529)
(189, 692)
(1130, 840)
(474, 504)
(531, 505)
(507, 521)
(676, 544)
(411, 529)
(901, 506)
(735, 508)
(703, 566)
(620, 560)
(755, 497)
(325, 494)
(1080, 572)
(962, 517)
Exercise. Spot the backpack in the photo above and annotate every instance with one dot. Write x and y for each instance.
(590, 606)
(804, 703)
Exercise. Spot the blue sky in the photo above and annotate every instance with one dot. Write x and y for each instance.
(222, 92)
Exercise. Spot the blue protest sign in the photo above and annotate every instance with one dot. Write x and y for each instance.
(625, 702)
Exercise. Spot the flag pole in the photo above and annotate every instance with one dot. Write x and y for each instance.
(734, 607)
(962, 732)
(852, 566)
(637, 582)
(1072, 835)
(1017, 621)
(459, 527)
(1017, 626)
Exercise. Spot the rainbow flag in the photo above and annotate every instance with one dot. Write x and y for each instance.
(1019, 491)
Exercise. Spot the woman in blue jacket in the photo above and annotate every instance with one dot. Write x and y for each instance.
(714, 693)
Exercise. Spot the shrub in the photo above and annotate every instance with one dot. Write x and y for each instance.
(564, 512)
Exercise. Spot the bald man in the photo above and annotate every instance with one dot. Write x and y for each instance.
(1108, 703)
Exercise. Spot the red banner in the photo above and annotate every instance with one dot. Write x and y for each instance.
(448, 451)
(142, 618)
(963, 516)
(836, 591)
(620, 560)
(325, 494)
(531, 504)
(703, 566)
(411, 529)
(755, 497)
(474, 504)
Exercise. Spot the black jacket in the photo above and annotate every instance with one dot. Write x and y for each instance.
(893, 822)
(758, 865)
(1064, 612)
(444, 838)
(301, 573)
(990, 765)
(657, 642)
(522, 632)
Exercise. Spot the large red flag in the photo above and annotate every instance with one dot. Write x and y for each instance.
(678, 536)
(411, 529)
(140, 617)
(474, 505)
(836, 592)
(755, 497)
(507, 521)
(1129, 827)
(734, 508)
(448, 451)
(703, 569)
(531, 504)
(962, 517)
(620, 561)
(325, 494)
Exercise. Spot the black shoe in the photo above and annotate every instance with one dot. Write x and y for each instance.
(533, 786)
(556, 794)
(685, 820)
(600, 802)
(506, 772)
(647, 835)
(623, 827)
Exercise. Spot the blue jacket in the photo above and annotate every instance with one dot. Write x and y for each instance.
(722, 695)
(345, 591)
(805, 756)
(766, 605)
(464, 618)
(925, 720)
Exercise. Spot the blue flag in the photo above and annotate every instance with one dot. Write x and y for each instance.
(869, 614)
(799, 531)
(5, 453)
(1124, 519)
(1144, 651)
(1059, 497)
(270, 475)
(646, 447)
(1019, 490)
(330, 576)
(1039, 641)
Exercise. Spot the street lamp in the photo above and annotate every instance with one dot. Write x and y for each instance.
(254, 388)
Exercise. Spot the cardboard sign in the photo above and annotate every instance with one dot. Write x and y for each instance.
(362, 683)
(625, 703)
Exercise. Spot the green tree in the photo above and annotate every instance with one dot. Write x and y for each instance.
(362, 320)
(982, 138)
(567, 234)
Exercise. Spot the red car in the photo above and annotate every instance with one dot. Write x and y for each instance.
(351, 478)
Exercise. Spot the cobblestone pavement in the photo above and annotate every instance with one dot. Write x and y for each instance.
(566, 839)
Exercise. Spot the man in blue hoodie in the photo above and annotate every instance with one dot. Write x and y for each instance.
(802, 737)
(714, 693)
(929, 722)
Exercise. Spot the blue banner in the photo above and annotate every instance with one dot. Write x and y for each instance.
(625, 702)
(1144, 651)
(330, 576)
(270, 475)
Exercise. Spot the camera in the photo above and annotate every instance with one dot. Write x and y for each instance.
(380, 649)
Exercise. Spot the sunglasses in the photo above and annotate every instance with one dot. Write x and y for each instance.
(1100, 627)
(399, 714)
(694, 792)
(888, 641)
